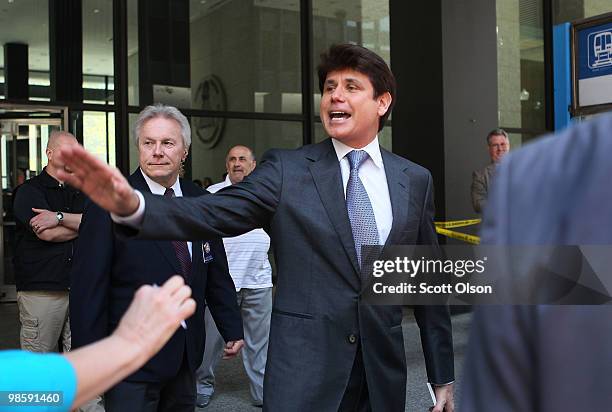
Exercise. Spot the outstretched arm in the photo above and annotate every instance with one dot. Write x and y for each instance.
(232, 211)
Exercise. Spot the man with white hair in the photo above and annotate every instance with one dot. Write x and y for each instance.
(47, 215)
(107, 272)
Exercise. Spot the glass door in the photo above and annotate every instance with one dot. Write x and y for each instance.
(24, 131)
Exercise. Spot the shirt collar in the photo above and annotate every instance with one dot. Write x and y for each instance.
(373, 150)
(158, 189)
(48, 180)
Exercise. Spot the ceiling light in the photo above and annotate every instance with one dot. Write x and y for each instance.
(96, 11)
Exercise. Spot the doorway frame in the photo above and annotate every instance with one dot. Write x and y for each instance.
(8, 293)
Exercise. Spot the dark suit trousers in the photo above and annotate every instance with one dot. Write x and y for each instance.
(177, 394)
(356, 398)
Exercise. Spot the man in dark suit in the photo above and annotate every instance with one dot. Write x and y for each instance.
(107, 271)
(328, 351)
(546, 358)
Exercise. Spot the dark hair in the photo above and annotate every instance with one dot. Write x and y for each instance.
(496, 132)
(358, 58)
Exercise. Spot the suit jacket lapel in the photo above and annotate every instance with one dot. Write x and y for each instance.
(327, 177)
(399, 192)
(165, 246)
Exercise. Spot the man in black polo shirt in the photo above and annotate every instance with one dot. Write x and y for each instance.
(48, 215)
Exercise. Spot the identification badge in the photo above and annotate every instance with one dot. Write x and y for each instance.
(206, 253)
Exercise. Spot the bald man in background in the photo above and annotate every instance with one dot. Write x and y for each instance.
(47, 216)
(247, 256)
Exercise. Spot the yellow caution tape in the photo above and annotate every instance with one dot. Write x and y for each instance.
(458, 223)
(458, 235)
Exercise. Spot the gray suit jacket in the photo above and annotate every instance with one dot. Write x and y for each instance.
(546, 358)
(297, 197)
(481, 179)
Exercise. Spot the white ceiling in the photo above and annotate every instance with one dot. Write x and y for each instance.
(27, 21)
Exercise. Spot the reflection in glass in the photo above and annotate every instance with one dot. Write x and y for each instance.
(520, 61)
(252, 49)
(132, 53)
(133, 155)
(97, 51)
(34, 32)
(568, 10)
(99, 135)
(259, 135)
(518, 140)
(98, 89)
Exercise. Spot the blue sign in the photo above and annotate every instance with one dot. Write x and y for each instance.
(595, 51)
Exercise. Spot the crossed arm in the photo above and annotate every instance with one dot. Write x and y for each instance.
(47, 227)
(32, 210)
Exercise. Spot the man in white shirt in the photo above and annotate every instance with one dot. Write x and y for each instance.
(328, 349)
(247, 256)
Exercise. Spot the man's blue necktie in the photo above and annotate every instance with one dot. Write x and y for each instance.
(361, 214)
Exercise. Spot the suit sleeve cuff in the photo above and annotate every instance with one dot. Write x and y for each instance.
(134, 220)
(442, 384)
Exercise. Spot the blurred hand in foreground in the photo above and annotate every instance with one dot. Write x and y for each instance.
(105, 185)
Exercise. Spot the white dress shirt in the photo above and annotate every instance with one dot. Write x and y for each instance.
(158, 189)
(374, 179)
(247, 254)
(372, 175)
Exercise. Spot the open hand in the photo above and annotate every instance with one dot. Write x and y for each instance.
(155, 314)
(105, 185)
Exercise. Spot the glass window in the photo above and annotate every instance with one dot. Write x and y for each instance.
(518, 140)
(39, 82)
(99, 135)
(364, 22)
(27, 22)
(260, 135)
(98, 89)
(238, 56)
(98, 66)
(132, 57)
(520, 61)
(23, 149)
(133, 156)
(568, 10)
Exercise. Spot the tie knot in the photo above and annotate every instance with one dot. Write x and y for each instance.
(169, 192)
(356, 157)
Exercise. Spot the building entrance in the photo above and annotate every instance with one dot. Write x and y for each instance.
(24, 131)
